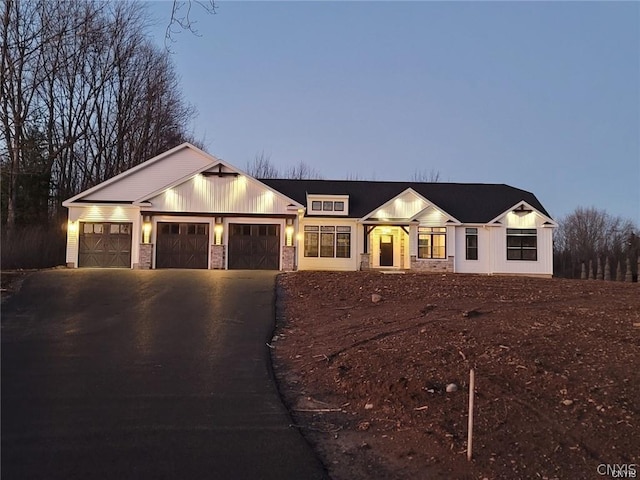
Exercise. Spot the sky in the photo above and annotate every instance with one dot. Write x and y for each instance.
(543, 96)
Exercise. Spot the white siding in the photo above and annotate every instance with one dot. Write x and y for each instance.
(152, 177)
(405, 205)
(215, 194)
(542, 266)
(483, 264)
(320, 263)
(432, 217)
(102, 213)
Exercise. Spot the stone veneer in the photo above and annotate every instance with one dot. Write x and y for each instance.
(429, 265)
(365, 261)
(146, 254)
(217, 257)
(288, 258)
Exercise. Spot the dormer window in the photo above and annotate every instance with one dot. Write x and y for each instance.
(327, 204)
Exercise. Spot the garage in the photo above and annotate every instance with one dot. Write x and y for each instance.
(182, 245)
(254, 247)
(105, 244)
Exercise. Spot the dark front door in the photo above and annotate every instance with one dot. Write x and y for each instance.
(182, 245)
(254, 247)
(386, 250)
(104, 245)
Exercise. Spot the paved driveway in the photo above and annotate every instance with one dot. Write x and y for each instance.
(114, 374)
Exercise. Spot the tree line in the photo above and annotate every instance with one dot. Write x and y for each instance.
(590, 238)
(84, 95)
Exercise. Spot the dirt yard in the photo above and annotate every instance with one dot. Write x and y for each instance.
(364, 361)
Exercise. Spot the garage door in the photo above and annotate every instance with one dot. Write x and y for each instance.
(182, 245)
(105, 245)
(254, 247)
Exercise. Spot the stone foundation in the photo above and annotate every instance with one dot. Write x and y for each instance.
(430, 265)
(146, 254)
(218, 257)
(365, 261)
(288, 259)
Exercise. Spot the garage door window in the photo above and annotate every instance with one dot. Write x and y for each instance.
(105, 245)
(254, 246)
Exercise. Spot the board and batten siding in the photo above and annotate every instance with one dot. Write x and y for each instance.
(405, 206)
(219, 195)
(103, 213)
(544, 263)
(150, 177)
(483, 263)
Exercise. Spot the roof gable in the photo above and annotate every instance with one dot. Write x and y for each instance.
(463, 202)
(154, 174)
(221, 194)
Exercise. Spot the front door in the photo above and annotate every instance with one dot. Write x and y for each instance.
(386, 250)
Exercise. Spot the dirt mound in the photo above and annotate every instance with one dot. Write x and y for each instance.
(375, 371)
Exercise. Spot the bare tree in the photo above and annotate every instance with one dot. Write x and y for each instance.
(84, 96)
(430, 176)
(588, 234)
(182, 19)
(262, 166)
(302, 171)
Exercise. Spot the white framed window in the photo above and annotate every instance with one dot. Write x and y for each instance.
(432, 242)
(327, 241)
(328, 205)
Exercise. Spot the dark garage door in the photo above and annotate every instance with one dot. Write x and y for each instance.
(105, 245)
(182, 245)
(254, 247)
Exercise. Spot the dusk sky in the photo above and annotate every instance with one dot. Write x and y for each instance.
(544, 96)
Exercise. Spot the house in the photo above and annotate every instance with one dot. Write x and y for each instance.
(188, 209)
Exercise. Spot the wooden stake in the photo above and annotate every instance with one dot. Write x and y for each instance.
(472, 386)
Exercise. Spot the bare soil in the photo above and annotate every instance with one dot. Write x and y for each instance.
(557, 372)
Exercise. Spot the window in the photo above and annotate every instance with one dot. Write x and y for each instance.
(471, 243)
(522, 244)
(343, 242)
(432, 242)
(311, 241)
(324, 205)
(327, 241)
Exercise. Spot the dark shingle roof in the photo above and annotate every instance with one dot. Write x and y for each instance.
(467, 202)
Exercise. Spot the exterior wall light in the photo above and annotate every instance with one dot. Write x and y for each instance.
(217, 231)
(146, 232)
(288, 230)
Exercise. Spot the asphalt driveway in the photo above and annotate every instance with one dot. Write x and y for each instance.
(113, 374)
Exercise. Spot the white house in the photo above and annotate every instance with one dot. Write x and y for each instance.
(188, 209)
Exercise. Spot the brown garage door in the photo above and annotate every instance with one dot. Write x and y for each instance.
(104, 245)
(182, 245)
(254, 247)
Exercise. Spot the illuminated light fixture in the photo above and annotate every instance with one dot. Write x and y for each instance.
(217, 230)
(146, 229)
(72, 226)
(289, 233)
